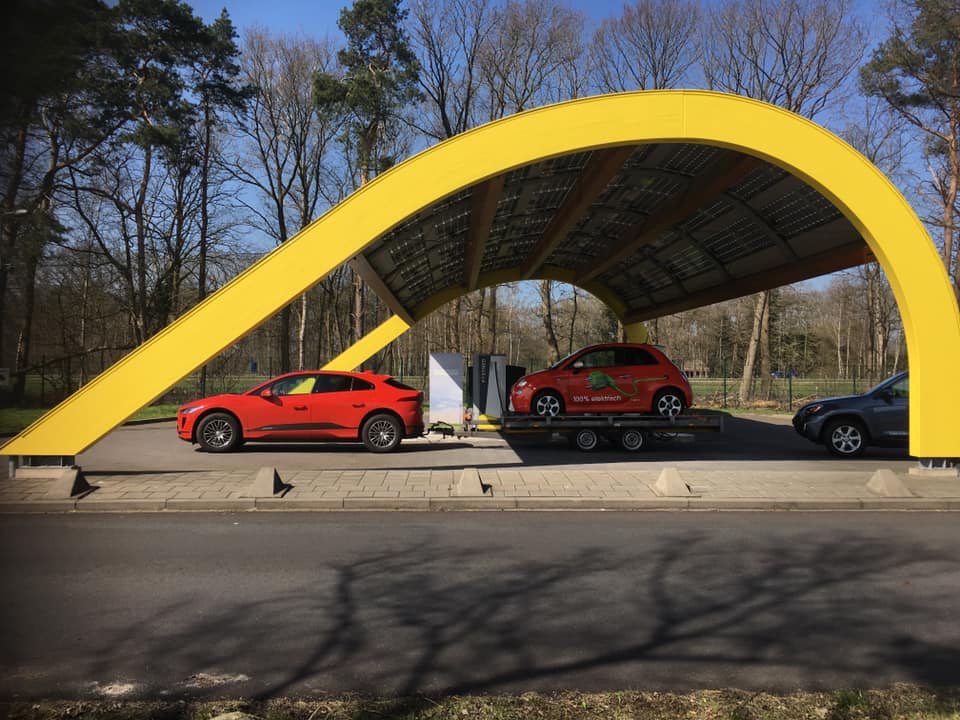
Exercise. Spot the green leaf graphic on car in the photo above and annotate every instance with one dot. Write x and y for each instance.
(600, 381)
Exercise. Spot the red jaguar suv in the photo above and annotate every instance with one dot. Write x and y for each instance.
(377, 410)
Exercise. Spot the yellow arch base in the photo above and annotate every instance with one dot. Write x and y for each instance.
(897, 238)
(636, 332)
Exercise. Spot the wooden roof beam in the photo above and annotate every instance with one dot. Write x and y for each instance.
(840, 258)
(483, 209)
(703, 190)
(604, 164)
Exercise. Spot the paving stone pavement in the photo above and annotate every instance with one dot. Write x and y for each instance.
(563, 487)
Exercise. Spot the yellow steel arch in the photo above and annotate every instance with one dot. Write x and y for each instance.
(898, 239)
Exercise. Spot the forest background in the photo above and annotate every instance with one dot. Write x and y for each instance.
(148, 156)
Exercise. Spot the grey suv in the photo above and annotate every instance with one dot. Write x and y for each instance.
(847, 425)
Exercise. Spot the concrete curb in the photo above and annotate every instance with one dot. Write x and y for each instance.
(455, 504)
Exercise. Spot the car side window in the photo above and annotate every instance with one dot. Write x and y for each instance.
(635, 356)
(298, 385)
(901, 388)
(332, 383)
(598, 359)
(359, 384)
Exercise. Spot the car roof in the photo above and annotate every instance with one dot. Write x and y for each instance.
(364, 374)
(616, 345)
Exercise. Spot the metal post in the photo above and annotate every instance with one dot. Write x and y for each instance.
(723, 371)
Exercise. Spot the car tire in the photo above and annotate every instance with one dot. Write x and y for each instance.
(586, 440)
(547, 404)
(381, 433)
(668, 403)
(845, 438)
(219, 433)
(633, 440)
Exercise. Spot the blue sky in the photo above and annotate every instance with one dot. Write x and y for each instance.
(319, 17)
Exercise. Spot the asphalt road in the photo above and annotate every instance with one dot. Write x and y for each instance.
(752, 443)
(303, 604)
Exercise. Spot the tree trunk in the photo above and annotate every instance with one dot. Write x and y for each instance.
(949, 211)
(284, 340)
(493, 319)
(478, 327)
(573, 322)
(751, 356)
(9, 223)
(358, 308)
(302, 331)
(26, 328)
(840, 342)
(140, 294)
(204, 224)
(766, 374)
(546, 297)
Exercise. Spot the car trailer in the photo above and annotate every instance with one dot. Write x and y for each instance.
(628, 430)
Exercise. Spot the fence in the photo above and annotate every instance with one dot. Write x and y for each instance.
(784, 394)
(775, 393)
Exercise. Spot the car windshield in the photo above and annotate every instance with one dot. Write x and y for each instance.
(261, 385)
(562, 360)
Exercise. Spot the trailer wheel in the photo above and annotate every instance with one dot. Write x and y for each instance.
(633, 440)
(586, 440)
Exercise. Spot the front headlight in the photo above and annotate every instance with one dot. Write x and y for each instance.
(520, 384)
(812, 410)
(188, 410)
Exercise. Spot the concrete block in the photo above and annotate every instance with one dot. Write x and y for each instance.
(65, 482)
(468, 484)
(38, 506)
(885, 483)
(472, 503)
(120, 505)
(224, 505)
(288, 503)
(385, 503)
(670, 484)
(919, 471)
(267, 483)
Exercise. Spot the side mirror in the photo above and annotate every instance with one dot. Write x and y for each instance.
(268, 393)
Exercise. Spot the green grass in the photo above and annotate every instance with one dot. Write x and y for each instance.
(896, 703)
(13, 420)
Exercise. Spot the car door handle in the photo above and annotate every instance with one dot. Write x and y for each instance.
(299, 407)
(359, 405)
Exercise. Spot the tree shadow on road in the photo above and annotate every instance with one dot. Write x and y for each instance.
(799, 611)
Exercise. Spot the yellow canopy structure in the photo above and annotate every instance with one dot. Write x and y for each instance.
(655, 202)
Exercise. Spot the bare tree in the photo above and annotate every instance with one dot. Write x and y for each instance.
(879, 135)
(533, 46)
(449, 36)
(533, 56)
(283, 140)
(798, 54)
(652, 45)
